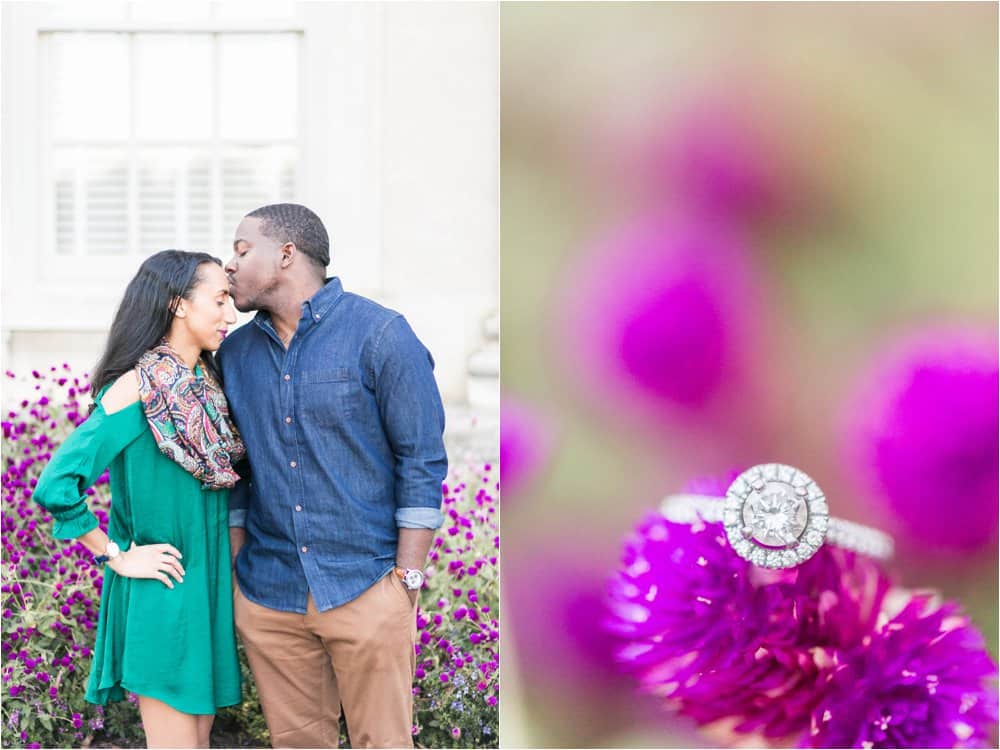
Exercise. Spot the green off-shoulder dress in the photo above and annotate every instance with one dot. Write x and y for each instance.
(176, 645)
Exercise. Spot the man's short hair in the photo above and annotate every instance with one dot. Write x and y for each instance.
(290, 222)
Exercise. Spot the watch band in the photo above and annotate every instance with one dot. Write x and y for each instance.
(112, 551)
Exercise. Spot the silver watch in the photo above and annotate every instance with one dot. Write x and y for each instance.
(413, 578)
(110, 553)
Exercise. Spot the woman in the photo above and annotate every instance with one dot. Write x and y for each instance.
(161, 424)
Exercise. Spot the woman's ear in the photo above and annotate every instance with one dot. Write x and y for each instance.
(177, 307)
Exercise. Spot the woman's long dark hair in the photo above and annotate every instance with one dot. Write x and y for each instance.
(146, 311)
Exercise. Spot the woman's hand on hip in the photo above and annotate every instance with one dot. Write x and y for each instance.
(159, 561)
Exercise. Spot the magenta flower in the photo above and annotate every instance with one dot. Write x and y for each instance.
(554, 596)
(923, 679)
(720, 162)
(718, 638)
(660, 319)
(806, 655)
(921, 432)
(526, 438)
(725, 152)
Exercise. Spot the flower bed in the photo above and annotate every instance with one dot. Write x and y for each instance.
(51, 591)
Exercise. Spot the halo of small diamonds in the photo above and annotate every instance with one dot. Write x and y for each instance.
(775, 516)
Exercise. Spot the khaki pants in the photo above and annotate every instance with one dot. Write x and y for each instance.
(359, 655)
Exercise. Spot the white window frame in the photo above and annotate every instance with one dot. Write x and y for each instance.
(80, 265)
(340, 92)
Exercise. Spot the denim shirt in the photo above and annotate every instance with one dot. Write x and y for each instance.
(344, 443)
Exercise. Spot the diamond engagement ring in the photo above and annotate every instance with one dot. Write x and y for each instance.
(776, 517)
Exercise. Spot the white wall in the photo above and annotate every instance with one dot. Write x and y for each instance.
(400, 159)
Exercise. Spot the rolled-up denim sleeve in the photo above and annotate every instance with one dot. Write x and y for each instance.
(413, 419)
(239, 495)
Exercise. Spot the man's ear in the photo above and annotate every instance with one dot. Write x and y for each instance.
(288, 251)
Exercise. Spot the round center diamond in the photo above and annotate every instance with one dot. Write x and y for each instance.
(775, 515)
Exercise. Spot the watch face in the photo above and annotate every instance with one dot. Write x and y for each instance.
(112, 550)
(413, 579)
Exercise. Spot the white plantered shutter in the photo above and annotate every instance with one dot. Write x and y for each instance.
(105, 203)
(157, 205)
(177, 201)
(180, 176)
(255, 177)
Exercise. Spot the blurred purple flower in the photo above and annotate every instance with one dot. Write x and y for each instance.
(660, 318)
(526, 438)
(729, 150)
(923, 679)
(921, 432)
(718, 638)
(554, 595)
(719, 161)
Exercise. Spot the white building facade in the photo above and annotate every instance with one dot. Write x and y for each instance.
(133, 127)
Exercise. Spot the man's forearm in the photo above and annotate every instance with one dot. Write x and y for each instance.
(412, 548)
(237, 535)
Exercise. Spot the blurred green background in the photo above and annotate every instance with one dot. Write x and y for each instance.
(887, 113)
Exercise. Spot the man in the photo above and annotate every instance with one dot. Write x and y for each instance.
(337, 404)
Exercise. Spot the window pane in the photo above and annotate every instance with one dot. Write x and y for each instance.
(199, 206)
(259, 85)
(106, 205)
(64, 172)
(90, 77)
(174, 86)
(252, 178)
(158, 174)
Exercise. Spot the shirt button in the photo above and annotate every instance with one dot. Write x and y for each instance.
(298, 508)
(316, 316)
(292, 464)
(288, 420)
(305, 549)
(288, 377)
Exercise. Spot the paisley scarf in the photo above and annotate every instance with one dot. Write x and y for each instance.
(189, 417)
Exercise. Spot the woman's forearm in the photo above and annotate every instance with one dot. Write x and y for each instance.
(96, 541)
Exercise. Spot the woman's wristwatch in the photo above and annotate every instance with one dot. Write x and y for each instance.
(413, 578)
(110, 553)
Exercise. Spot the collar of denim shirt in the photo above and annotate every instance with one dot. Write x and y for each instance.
(314, 308)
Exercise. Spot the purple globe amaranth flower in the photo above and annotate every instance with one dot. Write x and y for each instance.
(724, 151)
(923, 679)
(921, 433)
(552, 593)
(719, 639)
(526, 437)
(663, 321)
(720, 160)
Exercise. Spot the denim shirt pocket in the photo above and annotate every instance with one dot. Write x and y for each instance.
(329, 396)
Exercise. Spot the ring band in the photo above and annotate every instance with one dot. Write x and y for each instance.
(776, 516)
